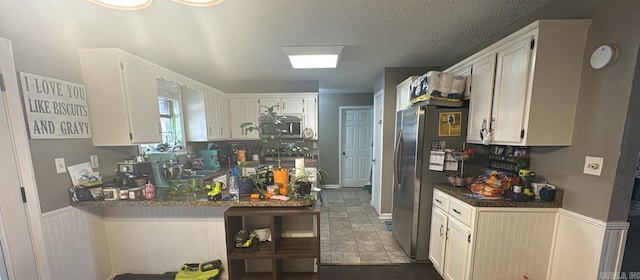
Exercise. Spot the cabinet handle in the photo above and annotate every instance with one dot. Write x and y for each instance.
(209, 131)
(221, 131)
(447, 234)
(469, 238)
(441, 228)
(283, 107)
(438, 201)
(457, 212)
(492, 124)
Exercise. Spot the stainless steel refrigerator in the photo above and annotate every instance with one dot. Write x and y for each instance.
(416, 129)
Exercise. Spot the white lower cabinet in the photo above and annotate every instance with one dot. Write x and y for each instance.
(458, 248)
(489, 243)
(450, 243)
(438, 238)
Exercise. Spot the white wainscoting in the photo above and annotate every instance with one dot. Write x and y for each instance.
(584, 247)
(161, 239)
(76, 244)
(510, 243)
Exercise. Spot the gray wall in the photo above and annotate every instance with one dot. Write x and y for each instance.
(52, 187)
(329, 126)
(600, 123)
(61, 61)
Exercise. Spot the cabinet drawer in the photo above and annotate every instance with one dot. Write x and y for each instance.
(460, 211)
(441, 200)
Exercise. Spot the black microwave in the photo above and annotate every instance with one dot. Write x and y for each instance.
(290, 127)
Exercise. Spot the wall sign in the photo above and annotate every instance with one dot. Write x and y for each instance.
(55, 108)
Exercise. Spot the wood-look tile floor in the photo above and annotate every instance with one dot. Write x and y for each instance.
(352, 233)
(411, 271)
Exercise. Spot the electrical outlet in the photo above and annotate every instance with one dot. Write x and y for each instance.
(60, 166)
(94, 161)
(593, 165)
(315, 145)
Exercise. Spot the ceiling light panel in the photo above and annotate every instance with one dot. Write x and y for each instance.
(199, 3)
(315, 57)
(123, 4)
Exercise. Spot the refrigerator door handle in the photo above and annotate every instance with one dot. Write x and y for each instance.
(397, 158)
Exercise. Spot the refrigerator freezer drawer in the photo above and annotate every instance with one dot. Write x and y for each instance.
(440, 200)
(460, 211)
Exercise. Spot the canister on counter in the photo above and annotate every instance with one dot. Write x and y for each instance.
(149, 191)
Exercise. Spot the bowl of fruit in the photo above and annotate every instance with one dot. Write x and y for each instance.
(466, 154)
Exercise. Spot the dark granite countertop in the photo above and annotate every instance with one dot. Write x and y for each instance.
(464, 194)
(242, 202)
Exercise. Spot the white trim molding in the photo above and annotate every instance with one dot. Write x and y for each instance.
(385, 216)
(586, 248)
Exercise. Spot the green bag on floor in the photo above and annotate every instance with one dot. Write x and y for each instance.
(200, 271)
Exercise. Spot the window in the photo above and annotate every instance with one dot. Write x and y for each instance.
(170, 118)
(170, 121)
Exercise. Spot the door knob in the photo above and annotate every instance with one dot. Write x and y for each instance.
(343, 153)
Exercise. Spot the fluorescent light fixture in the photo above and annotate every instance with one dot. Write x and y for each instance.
(199, 3)
(313, 57)
(123, 4)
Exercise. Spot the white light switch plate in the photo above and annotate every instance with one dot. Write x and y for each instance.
(593, 165)
(60, 166)
(94, 161)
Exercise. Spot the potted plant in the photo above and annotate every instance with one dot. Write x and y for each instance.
(301, 183)
(275, 125)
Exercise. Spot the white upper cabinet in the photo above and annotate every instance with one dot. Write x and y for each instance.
(242, 110)
(311, 117)
(529, 83)
(223, 116)
(403, 90)
(285, 105)
(205, 114)
(510, 93)
(122, 98)
(483, 74)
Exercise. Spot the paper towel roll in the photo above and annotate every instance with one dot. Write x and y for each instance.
(299, 166)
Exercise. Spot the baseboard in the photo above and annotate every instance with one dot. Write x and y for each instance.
(331, 186)
(385, 216)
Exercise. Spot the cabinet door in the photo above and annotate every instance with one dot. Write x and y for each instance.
(292, 105)
(212, 115)
(267, 102)
(458, 247)
(437, 241)
(194, 107)
(223, 117)
(510, 95)
(481, 88)
(236, 118)
(142, 101)
(251, 115)
(311, 115)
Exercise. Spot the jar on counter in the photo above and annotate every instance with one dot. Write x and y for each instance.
(149, 191)
(124, 193)
(111, 193)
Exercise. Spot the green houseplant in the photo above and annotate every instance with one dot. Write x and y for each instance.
(275, 124)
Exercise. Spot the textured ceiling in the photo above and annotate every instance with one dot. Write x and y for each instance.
(235, 46)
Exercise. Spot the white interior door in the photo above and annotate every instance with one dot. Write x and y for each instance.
(376, 176)
(18, 258)
(356, 139)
